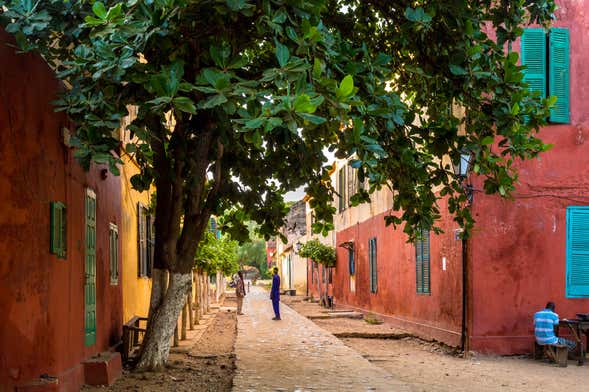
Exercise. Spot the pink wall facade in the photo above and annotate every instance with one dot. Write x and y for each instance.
(41, 296)
(518, 251)
(437, 315)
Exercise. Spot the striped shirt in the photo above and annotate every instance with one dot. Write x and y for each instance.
(544, 322)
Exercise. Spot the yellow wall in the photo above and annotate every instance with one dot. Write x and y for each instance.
(136, 290)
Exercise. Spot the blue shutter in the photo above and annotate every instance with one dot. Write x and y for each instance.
(577, 252)
(372, 264)
(351, 263)
(422, 263)
(533, 51)
(559, 74)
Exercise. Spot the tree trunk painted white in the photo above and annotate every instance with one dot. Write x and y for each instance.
(196, 298)
(184, 318)
(156, 344)
(159, 284)
(190, 310)
(217, 286)
(208, 279)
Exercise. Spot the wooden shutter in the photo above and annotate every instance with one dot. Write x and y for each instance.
(57, 231)
(340, 189)
(351, 263)
(141, 241)
(422, 263)
(114, 253)
(559, 74)
(150, 244)
(373, 265)
(577, 252)
(90, 270)
(350, 182)
(533, 50)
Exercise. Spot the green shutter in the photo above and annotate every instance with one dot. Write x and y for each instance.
(422, 263)
(372, 265)
(533, 49)
(90, 270)
(559, 75)
(58, 233)
(141, 241)
(577, 252)
(114, 254)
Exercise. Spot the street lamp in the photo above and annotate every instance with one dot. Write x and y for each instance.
(461, 169)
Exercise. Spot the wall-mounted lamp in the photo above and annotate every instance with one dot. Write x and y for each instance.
(461, 169)
(297, 247)
(349, 245)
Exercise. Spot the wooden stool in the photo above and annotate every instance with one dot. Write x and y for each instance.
(555, 352)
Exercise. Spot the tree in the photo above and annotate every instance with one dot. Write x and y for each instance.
(237, 101)
(321, 254)
(254, 253)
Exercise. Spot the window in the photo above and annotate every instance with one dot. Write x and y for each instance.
(422, 263)
(114, 253)
(546, 56)
(351, 261)
(145, 241)
(341, 189)
(372, 264)
(58, 233)
(577, 252)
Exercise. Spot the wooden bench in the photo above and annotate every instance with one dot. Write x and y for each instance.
(132, 336)
(557, 353)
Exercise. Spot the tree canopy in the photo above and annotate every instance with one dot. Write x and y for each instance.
(217, 254)
(318, 252)
(238, 100)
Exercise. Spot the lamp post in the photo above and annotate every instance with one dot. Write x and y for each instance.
(461, 169)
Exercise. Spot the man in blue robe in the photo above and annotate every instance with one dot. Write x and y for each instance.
(275, 294)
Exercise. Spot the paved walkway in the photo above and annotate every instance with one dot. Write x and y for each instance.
(296, 355)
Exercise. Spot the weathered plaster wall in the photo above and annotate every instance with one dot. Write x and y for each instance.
(136, 290)
(437, 315)
(42, 297)
(518, 251)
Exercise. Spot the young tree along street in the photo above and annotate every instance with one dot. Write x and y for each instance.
(239, 100)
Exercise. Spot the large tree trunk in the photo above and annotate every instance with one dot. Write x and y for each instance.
(159, 285)
(156, 345)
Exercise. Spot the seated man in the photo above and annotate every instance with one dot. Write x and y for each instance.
(544, 323)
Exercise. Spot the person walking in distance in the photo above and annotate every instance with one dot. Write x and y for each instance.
(239, 291)
(275, 294)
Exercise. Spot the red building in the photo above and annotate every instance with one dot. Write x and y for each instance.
(60, 300)
(523, 252)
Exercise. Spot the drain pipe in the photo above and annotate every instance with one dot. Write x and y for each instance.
(464, 331)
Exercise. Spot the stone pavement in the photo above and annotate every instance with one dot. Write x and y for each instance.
(294, 354)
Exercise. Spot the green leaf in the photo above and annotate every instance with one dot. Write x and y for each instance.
(184, 104)
(346, 88)
(213, 101)
(487, 140)
(316, 68)
(99, 10)
(313, 119)
(457, 70)
(282, 54)
(254, 123)
(302, 104)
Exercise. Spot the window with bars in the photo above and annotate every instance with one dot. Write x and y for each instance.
(422, 263)
(577, 252)
(145, 241)
(114, 253)
(546, 57)
(372, 264)
(58, 232)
